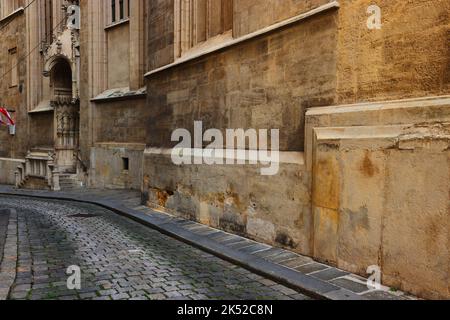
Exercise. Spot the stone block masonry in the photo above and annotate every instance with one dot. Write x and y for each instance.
(362, 115)
(8, 251)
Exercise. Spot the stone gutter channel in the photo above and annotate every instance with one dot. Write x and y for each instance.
(298, 272)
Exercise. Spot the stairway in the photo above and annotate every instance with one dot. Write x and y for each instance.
(34, 183)
(69, 181)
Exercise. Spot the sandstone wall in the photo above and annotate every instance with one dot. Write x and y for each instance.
(108, 168)
(161, 28)
(408, 57)
(12, 36)
(374, 186)
(252, 15)
(123, 121)
(41, 130)
(7, 169)
(380, 191)
(238, 199)
(118, 48)
(264, 83)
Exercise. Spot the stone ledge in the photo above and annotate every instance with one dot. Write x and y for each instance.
(381, 105)
(12, 15)
(119, 94)
(116, 145)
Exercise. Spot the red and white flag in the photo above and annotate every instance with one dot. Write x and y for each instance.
(10, 121)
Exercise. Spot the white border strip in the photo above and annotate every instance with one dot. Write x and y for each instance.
(325, 7)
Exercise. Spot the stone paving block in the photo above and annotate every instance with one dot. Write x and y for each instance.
(282, 257)
(270, 252)
(157, 296)
(255, 247)
(383, 295)
(330, 274)
(342, 294)
(121, 296)
(312, 267)
(297, 262)
(231, 241)
(350, 285)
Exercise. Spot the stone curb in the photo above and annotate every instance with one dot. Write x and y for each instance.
(251, 255)
(8, 265)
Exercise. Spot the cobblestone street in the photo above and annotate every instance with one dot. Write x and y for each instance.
(119, 259)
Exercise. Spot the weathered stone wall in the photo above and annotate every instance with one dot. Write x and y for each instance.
(108, 168)
(264, 83)
(161, 30)
(238, 199)
(8, 167)
(41, 130)
(118, 39)
(408, 57)
(374, 187)
(252, 15)
(12, 36)
(119, 132)
(87, 88)
(381, 185)
(123, 121)
(113, 56)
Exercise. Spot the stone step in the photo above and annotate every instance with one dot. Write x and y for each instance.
(69, 182)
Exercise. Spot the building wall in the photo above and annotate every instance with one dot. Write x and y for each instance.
(41, 130)
(119, 134)
(161, 29)
(13, 97)
(409, 57)
(117, 165)
(380, 170)
(253, 15)
(264, 83)
(118, 48)
(121, 121)
(113, 112)
(363, 195)
(380, 191)
(359, 185)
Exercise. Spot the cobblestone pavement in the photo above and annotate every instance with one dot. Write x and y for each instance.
(119, 259)
(4, 217)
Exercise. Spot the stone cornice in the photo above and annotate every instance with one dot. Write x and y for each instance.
(12, 15)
